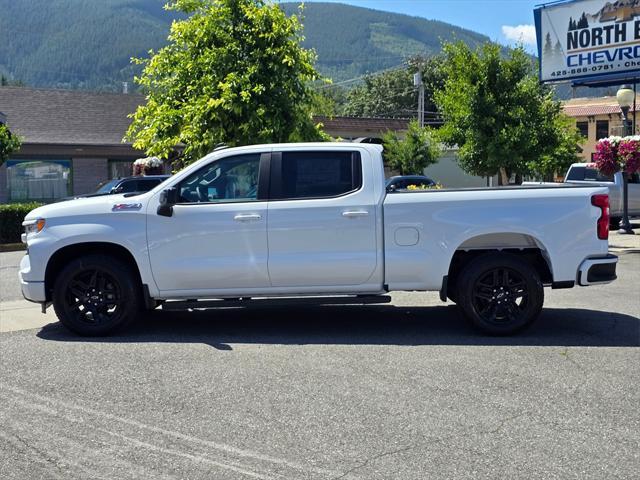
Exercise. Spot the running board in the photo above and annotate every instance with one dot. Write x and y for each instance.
(274, 302)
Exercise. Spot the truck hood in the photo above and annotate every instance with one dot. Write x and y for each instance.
(87, 206)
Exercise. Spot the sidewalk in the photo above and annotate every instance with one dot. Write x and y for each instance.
(625, 243)
(22, 315)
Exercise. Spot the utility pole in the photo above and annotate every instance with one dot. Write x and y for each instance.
(417, 82)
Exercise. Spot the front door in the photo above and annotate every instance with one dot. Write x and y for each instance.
(216, 238)
(322, 223)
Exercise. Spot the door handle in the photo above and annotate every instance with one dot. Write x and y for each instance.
(355, 213)
(247, 217)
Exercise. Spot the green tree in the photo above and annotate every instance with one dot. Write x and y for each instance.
(413, 153)
(496, 111)
(233, 72)
(559, 159)
(9, 143)
(392, 93)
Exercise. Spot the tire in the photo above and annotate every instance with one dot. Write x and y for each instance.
(614, 223)
(500, 293)
(96, 295)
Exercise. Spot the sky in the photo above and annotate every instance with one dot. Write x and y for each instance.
(504, 21)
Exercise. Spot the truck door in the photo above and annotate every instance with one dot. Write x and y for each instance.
(322, 221)
(216, 238)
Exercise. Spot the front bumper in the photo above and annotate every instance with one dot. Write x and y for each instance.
(598, 271)
(32, 291)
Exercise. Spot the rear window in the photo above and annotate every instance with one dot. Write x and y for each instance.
(318, 174)
(587, 174)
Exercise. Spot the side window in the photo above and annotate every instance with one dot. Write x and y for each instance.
(127, 186)
(230, 179)
(634, 178)
(316, 174)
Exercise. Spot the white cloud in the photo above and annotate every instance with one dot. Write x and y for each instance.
(520, 33)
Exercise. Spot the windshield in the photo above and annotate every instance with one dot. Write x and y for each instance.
(106, 188)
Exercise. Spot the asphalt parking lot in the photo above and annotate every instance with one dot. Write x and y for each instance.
(402, 391)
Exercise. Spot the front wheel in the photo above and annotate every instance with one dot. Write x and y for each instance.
(500, 293)
(96, 295)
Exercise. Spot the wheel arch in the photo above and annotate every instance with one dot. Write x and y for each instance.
(519, 244)
(64, 255)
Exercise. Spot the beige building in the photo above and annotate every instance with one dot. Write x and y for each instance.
(597, 118)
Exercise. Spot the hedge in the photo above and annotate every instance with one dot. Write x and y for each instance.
(11, 218)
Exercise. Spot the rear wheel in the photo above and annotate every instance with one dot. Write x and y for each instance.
(96, 295)
(500, 293)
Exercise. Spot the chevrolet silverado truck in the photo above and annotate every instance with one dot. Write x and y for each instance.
(311, 223)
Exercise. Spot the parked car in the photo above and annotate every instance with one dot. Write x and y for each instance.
(125, 185)
(401, 182)
(313, 222)
(586, 174)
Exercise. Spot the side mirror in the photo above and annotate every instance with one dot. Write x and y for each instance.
(391, 188)
(168, 198)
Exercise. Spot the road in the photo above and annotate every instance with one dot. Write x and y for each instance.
(402, 391)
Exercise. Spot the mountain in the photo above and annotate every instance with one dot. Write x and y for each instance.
(89, 43)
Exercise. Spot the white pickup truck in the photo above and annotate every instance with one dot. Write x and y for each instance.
(311, 221)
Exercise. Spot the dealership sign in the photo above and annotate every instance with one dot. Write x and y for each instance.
(589, 38)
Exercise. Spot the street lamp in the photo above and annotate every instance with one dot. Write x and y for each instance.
(625, 97)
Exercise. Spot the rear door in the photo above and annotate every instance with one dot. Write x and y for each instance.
(322, 221)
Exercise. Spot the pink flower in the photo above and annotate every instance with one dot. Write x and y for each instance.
(629, 155)
(606, 156)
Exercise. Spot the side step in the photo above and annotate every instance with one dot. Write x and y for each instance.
(177, 305)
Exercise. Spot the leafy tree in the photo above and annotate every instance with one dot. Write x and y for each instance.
(233, 72)
(9, 143)
(392, 93)
(413, 153)
(496, 111)
(566, 152)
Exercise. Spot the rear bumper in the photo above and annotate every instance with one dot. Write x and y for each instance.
(598, 271)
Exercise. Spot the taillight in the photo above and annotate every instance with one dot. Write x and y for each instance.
(602, 202)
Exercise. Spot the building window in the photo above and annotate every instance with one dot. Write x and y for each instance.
(120, 168)
(602, 129)
(43, 180)
(583, 128)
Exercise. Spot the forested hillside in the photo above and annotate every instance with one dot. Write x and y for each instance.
(89, 43)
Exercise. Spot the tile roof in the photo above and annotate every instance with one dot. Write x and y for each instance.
(49, 116)
(583, 107)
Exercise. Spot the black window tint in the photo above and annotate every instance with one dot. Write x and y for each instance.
(128, 186)
(146, 185)
(319, 174)
(594, 175)
(602, 129)
(583, 128)
(634, 178)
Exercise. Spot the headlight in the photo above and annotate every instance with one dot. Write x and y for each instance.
(33, 226)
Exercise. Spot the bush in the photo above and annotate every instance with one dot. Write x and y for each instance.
(11, 218)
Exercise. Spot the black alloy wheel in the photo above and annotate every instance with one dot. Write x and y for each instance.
(500, 293)
(96, 295)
